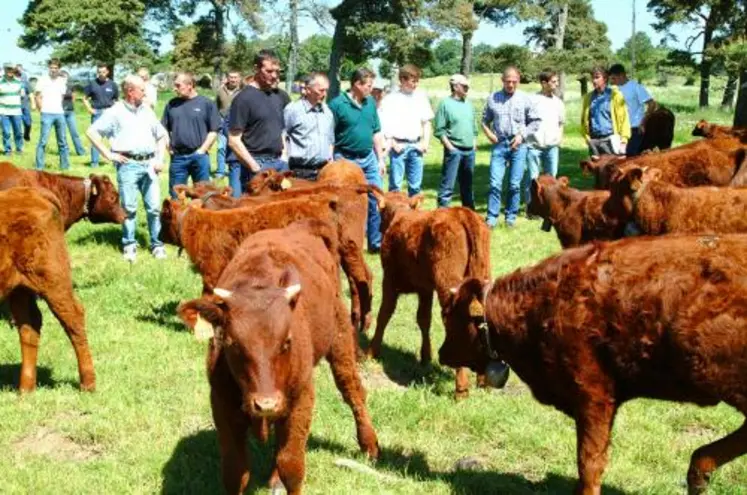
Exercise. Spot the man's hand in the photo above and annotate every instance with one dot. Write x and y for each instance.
(397, 147)
(594, 158)
(382, 168)
(516, 141)
(116, 158)
(254, 166)
(423, 148)
(198, 151)
(158, 167)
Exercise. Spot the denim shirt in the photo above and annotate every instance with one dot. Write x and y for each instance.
(509, 115)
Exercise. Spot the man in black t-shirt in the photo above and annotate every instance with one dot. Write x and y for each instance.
(99, 95)
(255, 124)
(192, 122)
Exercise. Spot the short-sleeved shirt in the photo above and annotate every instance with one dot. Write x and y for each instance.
(52, 91)
(258, 114)
(551, 112)
(402, 114)
(310, 130)
(102, 94)
(355, 125)
(510, 114)
(189, 121)
(130, 129)
(11, 91)
(224, 97)
(600, 113)
(636, 97)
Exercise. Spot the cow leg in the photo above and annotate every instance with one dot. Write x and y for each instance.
(367, 302)
(709, 457)
(292, 433)
(231, 426)
(425, 309)
(28, 319)
(345, 372)
(593, 429)
(389, 297)
(358, 275)
(70, 313)
(462, 384)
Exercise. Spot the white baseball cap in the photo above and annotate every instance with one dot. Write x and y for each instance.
(459, 79)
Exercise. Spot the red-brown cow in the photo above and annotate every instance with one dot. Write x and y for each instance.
(423, 252)
(34, 262)
(94, 198)
(276, 312)
(578, 216)
(708, 130)
(340, 172)
(599, 325)
(658, 128)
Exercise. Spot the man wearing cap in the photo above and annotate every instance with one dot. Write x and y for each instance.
(406, 116)
(378, 91)
(49, 92)
(456, 128)
(11, 93)
(100, 94)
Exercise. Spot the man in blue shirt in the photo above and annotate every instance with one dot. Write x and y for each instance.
(192, 122)
(509, 117)
(639, 103)
(100, 94)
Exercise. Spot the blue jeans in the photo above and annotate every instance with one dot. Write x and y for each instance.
(94, 152)
(409, 162)
(540, 161)
(133, 178)
(238, 175)
(26, 112)
(47, 121)
(16, 122)
(183, 167)
(503, 157)
(457, 164)
(73, 128)
(370, 167)
(221, 154)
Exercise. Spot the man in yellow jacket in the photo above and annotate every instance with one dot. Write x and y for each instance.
(604, 117)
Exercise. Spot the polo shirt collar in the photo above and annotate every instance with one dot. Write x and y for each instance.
(308, 107)
(354, 102)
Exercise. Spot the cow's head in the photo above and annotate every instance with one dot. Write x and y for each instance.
(542, 188)
(200, 189)
(392, 203)
(589, 166)
(172, 213)
(270, 181)
(628, 182)
(702, 128)
(103, 201)
(252, 326)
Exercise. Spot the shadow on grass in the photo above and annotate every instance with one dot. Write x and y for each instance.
(163, 315)
(194, 467)
(109, 235)
(10, 375)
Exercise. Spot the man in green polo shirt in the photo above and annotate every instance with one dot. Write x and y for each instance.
(11, 92)
(358, 138)
(456, 128)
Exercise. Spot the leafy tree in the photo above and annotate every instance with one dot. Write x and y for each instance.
(446, 58)
(506, 55)
(648, 57)
(187, 54)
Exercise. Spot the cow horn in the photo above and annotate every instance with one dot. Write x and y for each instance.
(476, 309)
(292, 291)
(222, 293)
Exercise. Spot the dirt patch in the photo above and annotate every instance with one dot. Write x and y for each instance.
(700, 431)
(49, 443)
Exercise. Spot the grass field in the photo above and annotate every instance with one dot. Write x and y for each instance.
(148, 426)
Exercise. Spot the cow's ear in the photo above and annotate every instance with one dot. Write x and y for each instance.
(563, 181)
(380, 198)
(416, 201)
(205, 316)
(291, 282)
(635, 176)
(536, 186)
(227, 191)
(181, 192)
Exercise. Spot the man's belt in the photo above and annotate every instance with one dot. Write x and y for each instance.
(309, 163)
(407, 141)
(600, 136)
(138, 157)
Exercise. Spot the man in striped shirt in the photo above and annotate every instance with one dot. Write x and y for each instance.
(11, 91)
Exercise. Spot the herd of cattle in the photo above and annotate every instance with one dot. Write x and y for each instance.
(587, 330)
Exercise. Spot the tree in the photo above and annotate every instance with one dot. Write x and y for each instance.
(446, 58)
(506, 55)
(648, 57)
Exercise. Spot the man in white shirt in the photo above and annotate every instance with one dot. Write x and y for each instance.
(639, 103)
(151, 92)
(49, 92)
(406, 116)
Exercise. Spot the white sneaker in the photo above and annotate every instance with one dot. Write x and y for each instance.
(129, 253)
(159, 252)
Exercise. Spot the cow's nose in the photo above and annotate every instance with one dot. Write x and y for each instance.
(265, 404)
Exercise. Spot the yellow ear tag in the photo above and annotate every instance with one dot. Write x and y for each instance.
(475, 309)
(285, 184)
(203, 329)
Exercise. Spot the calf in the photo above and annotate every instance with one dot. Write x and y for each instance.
(423, 252)
(712, 131)
(659, 208)
(658, 129)
(34, 262)
(340, 172)
(276, 311)
(94, 198)
(601, 324)
(578, 216)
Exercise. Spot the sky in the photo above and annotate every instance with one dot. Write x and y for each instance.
(616, 14)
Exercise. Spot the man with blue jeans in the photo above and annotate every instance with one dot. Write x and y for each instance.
(223, 100)
(25, 102)
(508, 118)
(456, 128)
(11, 94)
(192, 122)
(138, 145)
(102, 93)
(49, 92)
(255, 123)
(358, 138)
(68, 106)
(406, 116)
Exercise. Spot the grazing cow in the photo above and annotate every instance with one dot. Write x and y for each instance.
(658, 208)
(94, 198)
(601, 324)
(211, 238)
(34, 262)
(276, 311)
(578, 216)
(711, 131)
(423, 252)
(658, 129)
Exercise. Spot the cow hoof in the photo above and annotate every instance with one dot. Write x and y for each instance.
(697, 482)
(88, 387)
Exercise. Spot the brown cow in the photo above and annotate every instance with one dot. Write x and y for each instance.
(659, 208)
(340, 172)
(423, 252)
(708, 130)
(34, 262)
(601, 324)
(658, 127)
(602, 169)
(578, 216)
(211, 238)
(276, 312)
(94, 198)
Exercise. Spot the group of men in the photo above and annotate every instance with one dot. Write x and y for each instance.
(15, 107)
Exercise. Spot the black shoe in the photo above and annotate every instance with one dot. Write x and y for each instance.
(27, 135)
(374, 250)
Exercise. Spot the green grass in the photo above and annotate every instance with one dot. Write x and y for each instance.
(148, 427)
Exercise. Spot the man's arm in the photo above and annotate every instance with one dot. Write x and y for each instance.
(380, 150)
(425, 140)
(87, 104)
(38, 100)
(98, 142)
(487, 119)
(237, 146)
(213, 125)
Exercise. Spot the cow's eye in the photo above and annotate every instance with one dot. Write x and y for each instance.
(286, 345)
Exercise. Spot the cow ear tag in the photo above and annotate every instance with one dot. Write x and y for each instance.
(475, 309)
(285, 184)
(203, 329)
